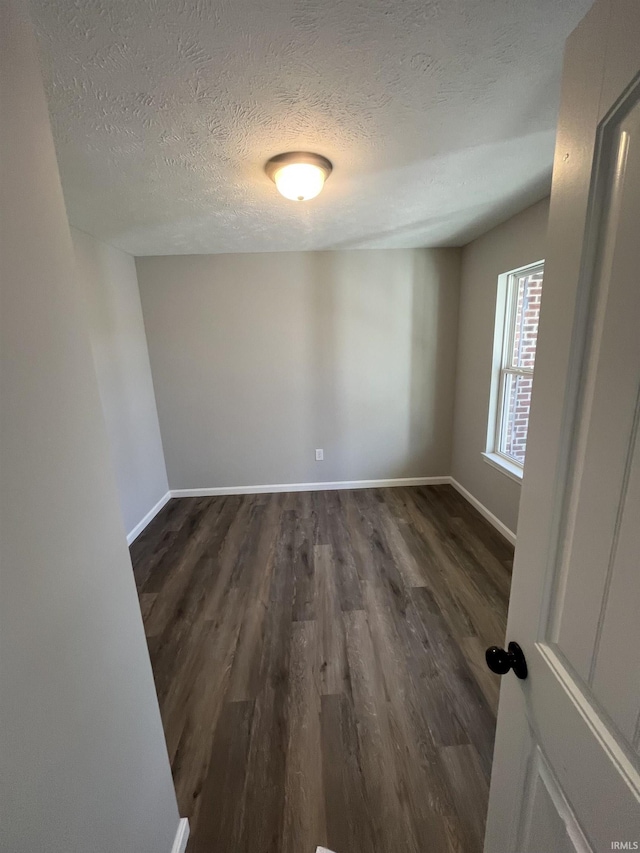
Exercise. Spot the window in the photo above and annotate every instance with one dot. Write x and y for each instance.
(514, 353)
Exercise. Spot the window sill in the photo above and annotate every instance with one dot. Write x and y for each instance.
(510, 469)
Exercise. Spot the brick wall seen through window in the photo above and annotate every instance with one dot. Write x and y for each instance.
(518, 387)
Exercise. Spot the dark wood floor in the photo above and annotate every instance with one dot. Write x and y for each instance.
(318, 659)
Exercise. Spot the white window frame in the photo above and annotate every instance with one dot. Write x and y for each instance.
(506, 307)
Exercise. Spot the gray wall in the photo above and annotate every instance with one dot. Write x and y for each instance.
(258, 359)
(107, 277)
(519, 241)
(84, 763)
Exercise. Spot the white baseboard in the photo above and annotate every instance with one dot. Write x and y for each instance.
(182, 836)
(309, 487)
(509, 535)
(140, 526)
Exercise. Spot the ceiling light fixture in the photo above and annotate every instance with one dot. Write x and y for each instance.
(299, 175)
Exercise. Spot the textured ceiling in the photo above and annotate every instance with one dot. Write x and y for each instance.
(438, 116)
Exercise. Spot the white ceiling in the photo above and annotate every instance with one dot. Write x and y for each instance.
(438, 116)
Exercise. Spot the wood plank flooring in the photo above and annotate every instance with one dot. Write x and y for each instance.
(318, 659)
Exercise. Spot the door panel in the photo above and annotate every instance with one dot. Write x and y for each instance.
(566, 773)
(615, 680)
(610, 369)
(549, 822)
(594, 770)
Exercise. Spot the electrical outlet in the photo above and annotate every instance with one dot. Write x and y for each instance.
(319, 455)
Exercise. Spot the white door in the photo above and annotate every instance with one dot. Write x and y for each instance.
(566, 770)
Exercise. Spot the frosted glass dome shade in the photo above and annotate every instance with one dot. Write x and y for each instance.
(299, 176)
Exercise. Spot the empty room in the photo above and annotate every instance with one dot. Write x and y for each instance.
(319, 406)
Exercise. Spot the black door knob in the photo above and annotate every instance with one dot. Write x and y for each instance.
(501, 661)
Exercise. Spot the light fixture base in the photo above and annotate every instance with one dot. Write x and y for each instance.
(276, 163)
